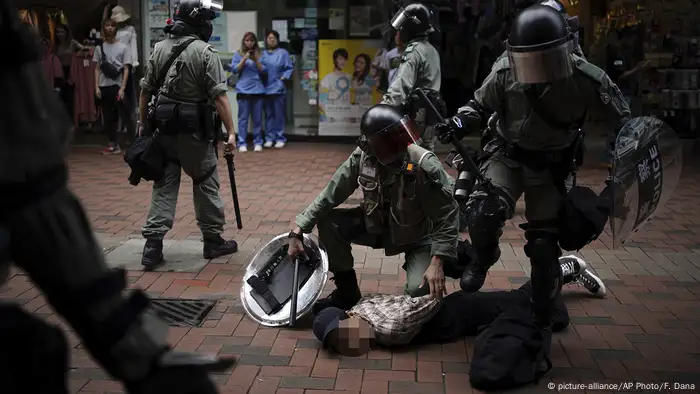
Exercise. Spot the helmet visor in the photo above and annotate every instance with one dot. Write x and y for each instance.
(389, 144)
(213, 5)
(398, 19)
(543, 64)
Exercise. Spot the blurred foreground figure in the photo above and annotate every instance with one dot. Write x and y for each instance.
(45, 231)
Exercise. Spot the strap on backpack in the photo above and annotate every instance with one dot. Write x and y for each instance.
(173, 55)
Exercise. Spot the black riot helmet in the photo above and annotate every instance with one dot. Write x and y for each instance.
(539, 46)
(386, 133)
(196, 15)
(413, 21)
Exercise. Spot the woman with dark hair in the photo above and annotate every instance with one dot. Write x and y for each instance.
(279, 70)
(250, 90)
(362, 83)
(66, 46)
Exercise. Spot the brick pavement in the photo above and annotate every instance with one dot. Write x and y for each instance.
(647, 330)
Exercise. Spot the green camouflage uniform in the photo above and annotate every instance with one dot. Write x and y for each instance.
(419, 68)
(589, 91)
(419, 215)
(196, 76)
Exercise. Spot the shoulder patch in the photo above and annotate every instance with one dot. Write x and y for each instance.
(590, 70)
(407, 52)
(211, 49)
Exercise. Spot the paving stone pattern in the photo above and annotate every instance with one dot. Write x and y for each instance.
(647, 330)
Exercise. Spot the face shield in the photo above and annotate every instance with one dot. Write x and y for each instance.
(390, 144)
(213, 5)
(542, 63)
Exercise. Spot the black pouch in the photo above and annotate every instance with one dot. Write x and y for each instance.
(272, 286)
(580, 219)
(509, 353)
(166, 115)
(107, 68)
(146, 160)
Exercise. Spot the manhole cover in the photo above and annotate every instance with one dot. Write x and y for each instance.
(182, 313)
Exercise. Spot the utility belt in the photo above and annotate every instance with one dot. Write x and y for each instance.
(179, 117)
(424, 116)
(561, 162)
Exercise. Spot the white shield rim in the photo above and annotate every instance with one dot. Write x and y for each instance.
(305, 299)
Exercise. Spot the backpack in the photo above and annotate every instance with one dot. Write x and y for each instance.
(509, 353)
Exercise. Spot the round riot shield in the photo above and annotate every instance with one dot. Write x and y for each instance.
(266, 291)
(648, 158)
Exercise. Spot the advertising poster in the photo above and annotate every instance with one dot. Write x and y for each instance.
(348, 84)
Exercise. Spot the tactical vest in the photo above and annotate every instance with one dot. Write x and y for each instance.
(400, 213)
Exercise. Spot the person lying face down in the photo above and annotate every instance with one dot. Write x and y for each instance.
(396, 320)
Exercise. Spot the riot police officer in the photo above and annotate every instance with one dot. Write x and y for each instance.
(192, 87)
(542, 92)
(45, 231)
(419, 67)
(407, 207)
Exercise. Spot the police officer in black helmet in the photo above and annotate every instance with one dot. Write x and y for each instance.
(419, 68)
(192, 88)
(407, 207)
(542, 92)
(44, 230)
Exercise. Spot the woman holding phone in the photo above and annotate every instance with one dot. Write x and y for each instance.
(250, 90)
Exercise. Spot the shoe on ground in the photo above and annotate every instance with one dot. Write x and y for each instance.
(268, 144)
(575, 269)
(242, 149)
(152, 256)
(280, 145)
(218, 247)
(258, 148)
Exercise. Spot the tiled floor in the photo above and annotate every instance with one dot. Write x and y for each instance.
(647, 330)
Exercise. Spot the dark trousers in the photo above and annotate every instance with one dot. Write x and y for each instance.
(461, 314)
(112, 110)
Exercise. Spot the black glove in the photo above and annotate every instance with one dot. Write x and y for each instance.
(445, 131)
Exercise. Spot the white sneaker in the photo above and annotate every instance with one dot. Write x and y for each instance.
(268, 144)
(258, 148)
(571, 267)
(280, 145)
(592, 283)
(242, 149)
(575, 269)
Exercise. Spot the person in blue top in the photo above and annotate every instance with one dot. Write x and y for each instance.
(250, 90)
(279, 70)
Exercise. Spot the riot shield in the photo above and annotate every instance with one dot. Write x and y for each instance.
(267, 289)
(647, 164)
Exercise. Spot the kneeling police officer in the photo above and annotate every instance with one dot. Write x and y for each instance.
(542, 92)
(192, 87)
(407, 207)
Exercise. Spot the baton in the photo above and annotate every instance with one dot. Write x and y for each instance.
(295, 294)
(466, 159)
(234, 192)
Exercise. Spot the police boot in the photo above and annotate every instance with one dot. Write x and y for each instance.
(152, 256)
(474, 276)
(346, 294)
(217, 246)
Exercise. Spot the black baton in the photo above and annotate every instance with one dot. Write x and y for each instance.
(467, 160)
(295, 295)
(232, 178)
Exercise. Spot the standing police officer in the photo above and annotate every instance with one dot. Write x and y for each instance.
(44, 230)
(193, 85)
(542, 92)
(419, 68)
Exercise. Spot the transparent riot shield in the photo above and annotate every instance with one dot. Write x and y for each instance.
(648, 158)
(267, 288)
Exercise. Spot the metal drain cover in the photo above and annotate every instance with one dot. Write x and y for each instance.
(182, 313)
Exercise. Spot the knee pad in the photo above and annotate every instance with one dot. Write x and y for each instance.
(542, 246)
(543, 250)
(487, 216)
